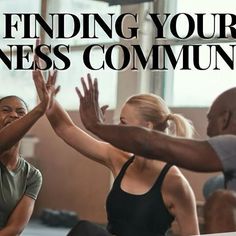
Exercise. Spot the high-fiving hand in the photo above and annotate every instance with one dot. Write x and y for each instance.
(90, 112)
(46, 90)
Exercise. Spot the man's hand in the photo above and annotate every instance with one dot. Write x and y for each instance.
(90, 112)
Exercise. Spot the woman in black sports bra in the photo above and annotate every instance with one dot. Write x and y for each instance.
(147, 195)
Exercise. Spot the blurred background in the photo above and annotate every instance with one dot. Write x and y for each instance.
(72, 182)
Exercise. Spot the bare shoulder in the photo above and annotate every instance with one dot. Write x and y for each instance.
(175, 184)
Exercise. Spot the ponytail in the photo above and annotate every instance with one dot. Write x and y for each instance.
(154, 109)
(183, 127)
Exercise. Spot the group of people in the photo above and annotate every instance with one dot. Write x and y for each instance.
(143, 153)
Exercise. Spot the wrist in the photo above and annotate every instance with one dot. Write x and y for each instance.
(93, 126)
(41, 109)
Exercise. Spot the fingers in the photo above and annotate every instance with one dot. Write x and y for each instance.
(95, 85)
(38, 41)
(36, 58)
(90, 90)
(84, 85)
(104, 108)
(78, 93)
(44, 87)
(37, 77)
(90, 83)
(57, 90)
(35, 74)
(52, 77)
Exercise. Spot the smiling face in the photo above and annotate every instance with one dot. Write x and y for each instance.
(11, 109)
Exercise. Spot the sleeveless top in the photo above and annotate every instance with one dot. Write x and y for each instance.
(137, 215)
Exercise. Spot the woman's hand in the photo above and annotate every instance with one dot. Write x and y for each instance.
(46, 91)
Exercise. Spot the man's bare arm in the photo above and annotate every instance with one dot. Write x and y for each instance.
(187, 153)
(190, 154)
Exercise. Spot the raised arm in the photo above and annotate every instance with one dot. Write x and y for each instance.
(76, 137)
(68, 131)
(190, 154)
(11, 134)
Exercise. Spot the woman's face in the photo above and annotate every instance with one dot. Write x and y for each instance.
(11, 109)
(130, 116)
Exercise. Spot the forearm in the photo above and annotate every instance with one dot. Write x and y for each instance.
(75, 136)
(9, 231)
(19, 217)
(190, 154)
(58, 118)
(12, 133)
(129, 138)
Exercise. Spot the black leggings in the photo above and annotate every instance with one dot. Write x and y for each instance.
(86, 228)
